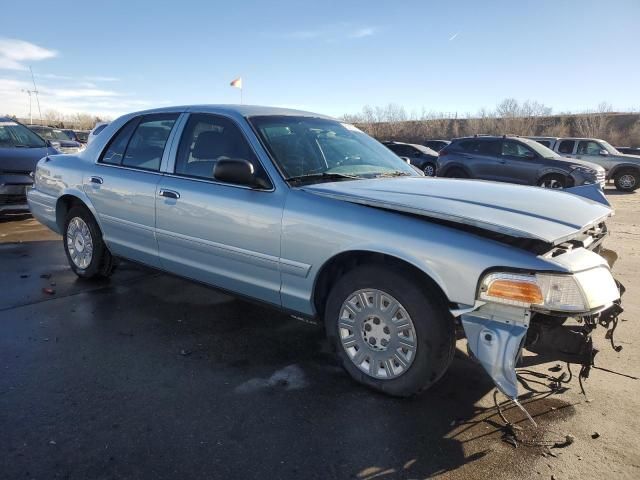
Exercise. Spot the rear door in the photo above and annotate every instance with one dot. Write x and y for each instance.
(122, 186)
(222, 234)
(481, 157)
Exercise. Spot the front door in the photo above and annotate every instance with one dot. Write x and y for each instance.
(520, 163)
(221, 234)
(122, 186)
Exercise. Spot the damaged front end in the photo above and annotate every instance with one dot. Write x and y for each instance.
(552, 315)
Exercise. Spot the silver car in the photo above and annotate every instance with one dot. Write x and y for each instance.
(623, 169)
(313, 217)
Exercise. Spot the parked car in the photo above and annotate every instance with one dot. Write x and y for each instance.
(313, 217)
(623, 169)
(58, 138)
(79, 136)
(629, 150)
(514, 160)
(82, 135)
(436, 145)
(96, 130)
(422, 157)
(20, 150)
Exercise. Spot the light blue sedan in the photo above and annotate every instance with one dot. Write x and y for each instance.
(312, 216)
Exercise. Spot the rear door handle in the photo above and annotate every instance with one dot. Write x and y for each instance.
(97, 180)
(169, 194)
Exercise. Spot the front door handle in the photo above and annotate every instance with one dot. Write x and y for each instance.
(169, 194)
(97, 180)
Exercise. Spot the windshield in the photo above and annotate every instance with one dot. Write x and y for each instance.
(14, 135)
(325, 149)
(609, 148)
(540, 149)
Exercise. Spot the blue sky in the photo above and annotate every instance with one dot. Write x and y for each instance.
(112, 57)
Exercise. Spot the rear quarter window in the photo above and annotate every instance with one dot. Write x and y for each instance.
(566, 146)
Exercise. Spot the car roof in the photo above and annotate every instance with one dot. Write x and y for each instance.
(243, 110)
(581, 138)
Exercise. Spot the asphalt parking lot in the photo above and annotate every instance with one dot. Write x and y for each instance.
(150, 376)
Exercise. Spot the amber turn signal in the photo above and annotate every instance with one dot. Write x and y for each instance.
(515, 290)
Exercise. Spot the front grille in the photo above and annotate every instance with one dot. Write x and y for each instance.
(13, 199)
(601, 178)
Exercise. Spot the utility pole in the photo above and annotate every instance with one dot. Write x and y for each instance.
(30, 115)
(35, 90)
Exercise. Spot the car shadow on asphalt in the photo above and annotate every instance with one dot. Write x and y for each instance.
(149, 374)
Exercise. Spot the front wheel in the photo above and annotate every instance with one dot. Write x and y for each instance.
(86, 252)
(627, 180)
(429, 170)
(390, 334)
(553, 181)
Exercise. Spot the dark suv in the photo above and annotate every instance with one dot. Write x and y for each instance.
(515, 160)
(420, 156)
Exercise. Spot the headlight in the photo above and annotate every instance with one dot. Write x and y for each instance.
(580, 292)
(585, 171)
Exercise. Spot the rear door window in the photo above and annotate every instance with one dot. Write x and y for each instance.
(146, 146)
(566, 146)
(114, 152)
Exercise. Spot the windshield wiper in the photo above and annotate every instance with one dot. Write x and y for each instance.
(397, 173)
(322, 176)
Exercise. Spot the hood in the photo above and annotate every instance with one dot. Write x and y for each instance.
(584, 163)
(630, 158)
(22, 160)
(524, 212)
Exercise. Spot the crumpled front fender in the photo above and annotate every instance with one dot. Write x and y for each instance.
(495, 336)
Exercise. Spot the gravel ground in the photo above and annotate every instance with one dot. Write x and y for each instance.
(149, 376)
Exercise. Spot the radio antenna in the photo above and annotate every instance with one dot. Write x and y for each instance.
(35, 90)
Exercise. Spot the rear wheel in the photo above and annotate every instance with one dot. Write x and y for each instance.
(627, 180)
(457, 173)
(554, 181)
(86, 252)
(389, 333)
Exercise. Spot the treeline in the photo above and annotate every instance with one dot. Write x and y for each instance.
(77, 121)
(509, 117)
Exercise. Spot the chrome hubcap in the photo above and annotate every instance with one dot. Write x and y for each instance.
(627, 181)
(429, 171)
(79, 243)
(377, 333)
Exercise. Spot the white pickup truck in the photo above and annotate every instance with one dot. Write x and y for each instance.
(623, 169)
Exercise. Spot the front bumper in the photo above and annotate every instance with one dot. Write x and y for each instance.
(496, 335)
(13, 196)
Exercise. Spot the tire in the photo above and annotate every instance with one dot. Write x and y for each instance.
(429, 169)
(81, 233)
(431, 328)
(457, 173)
(554, 181)
(627, 180)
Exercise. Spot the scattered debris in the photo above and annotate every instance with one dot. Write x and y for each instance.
(45, 275)
(568, 440)
(24, 275)
(52, 442)
(186, 353)
(595, 435)
(48, 291)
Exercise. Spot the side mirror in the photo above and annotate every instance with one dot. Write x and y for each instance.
(604, 152)
(406, 159)
(529, 155)
(237, 171)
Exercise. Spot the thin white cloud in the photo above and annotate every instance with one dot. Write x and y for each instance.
(363, 32)
(98, 78)
(332, 33)
(454, 36)
(14, 53)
